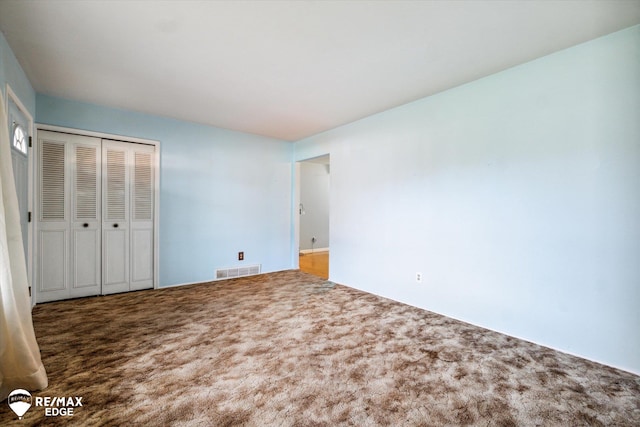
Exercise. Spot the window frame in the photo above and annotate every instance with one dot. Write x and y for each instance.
(22, 145)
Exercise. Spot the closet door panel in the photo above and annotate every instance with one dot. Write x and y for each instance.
(115, 225)
(53, 266)
(52, 276)
(115, 256)
(142, 259)
(142, 202)
(86, 225)
(86, 261)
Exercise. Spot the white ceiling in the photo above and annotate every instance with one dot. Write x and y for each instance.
(286, 69)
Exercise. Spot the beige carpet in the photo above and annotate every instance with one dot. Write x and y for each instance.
(288, 349)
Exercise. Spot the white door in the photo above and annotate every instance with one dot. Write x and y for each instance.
(19, 134)
(69, 238)
(52, 278)
(115, 225)
(86, 230)
(141, 225)
(128, 201)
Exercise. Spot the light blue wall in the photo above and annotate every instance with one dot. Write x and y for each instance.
(11, 72)
(221, 191)
(517, 197)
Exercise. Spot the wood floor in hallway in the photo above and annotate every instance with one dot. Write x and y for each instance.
(316, 263)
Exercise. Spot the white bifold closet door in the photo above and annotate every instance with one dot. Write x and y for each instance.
(69, 228)
(95, 230)
(127, 217)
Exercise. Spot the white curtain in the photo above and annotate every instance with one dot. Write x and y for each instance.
(20, 364)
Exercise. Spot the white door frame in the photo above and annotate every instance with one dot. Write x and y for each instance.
(156, 203)
(30, 193)
(296, 206)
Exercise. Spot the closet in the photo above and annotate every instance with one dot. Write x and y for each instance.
(95, 222)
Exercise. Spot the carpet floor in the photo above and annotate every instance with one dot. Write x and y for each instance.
(289, 349)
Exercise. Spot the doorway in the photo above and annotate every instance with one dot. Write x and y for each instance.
(313, 211)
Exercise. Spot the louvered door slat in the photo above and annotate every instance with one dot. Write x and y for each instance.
(52, 188)
(142, 187)
(86, 183)
(116, 185)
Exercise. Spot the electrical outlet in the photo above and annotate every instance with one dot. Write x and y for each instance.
(419, 277)
(240, 256)
(313, 239)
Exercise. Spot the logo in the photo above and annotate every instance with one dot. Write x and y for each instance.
(19, 401)
(59, 406)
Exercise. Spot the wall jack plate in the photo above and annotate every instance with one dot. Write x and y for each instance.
(240, 256)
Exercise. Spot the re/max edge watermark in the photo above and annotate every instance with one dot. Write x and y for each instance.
(20, 401)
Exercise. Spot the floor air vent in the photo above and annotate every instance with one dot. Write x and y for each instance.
(230, 273)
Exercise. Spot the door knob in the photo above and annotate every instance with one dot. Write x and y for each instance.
(85, 225)
(115, 225)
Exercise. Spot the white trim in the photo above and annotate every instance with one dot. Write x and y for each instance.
(296, 217)
(177, 285)
(156, 217)
(101, 135)
(218, 281)
(296, 214)
(313, 251)
(115, 137)
(14, 97)
(30, 188)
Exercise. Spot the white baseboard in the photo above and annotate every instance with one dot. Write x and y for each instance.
(308, 251)
(200, 282)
